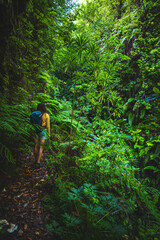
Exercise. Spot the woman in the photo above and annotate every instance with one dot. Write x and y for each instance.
(42, 136)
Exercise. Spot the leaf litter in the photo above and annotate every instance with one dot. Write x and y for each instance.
(22, 205)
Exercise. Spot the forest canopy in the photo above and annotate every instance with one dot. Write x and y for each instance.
(96, 66)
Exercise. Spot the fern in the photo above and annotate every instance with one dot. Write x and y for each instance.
(15, 127)
(5, 152)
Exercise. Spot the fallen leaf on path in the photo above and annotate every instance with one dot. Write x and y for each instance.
(25, 226)
(33, 205)
(37, 233)
(20, 232)
(15, 199)
(26, 204)
(25, 195)
(4, 222)
(20, 195)
(19, 183)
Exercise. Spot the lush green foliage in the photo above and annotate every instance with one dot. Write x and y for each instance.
(97, 69)
(98, 191)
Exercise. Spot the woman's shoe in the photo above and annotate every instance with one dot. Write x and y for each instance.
(38, 165)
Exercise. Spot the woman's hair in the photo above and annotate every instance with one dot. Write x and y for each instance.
(41, 107)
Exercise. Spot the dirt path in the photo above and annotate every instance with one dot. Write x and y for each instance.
(21, 203)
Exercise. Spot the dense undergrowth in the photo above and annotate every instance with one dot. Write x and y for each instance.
(98, 192)
(97, 69)
(98, 188)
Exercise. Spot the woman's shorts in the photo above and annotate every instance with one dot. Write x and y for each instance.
(42, 135)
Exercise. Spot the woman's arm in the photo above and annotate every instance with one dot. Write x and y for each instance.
(48, 123)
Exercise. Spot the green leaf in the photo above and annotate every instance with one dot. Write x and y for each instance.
(155, 170)
(156, 90)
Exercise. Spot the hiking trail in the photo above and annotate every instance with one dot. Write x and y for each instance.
(22, 205)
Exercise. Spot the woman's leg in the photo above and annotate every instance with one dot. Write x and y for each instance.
(36, 148)
(42, 141)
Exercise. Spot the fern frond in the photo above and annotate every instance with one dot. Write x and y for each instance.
(5, 152)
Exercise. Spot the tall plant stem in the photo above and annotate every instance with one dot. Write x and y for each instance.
(70, 138)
